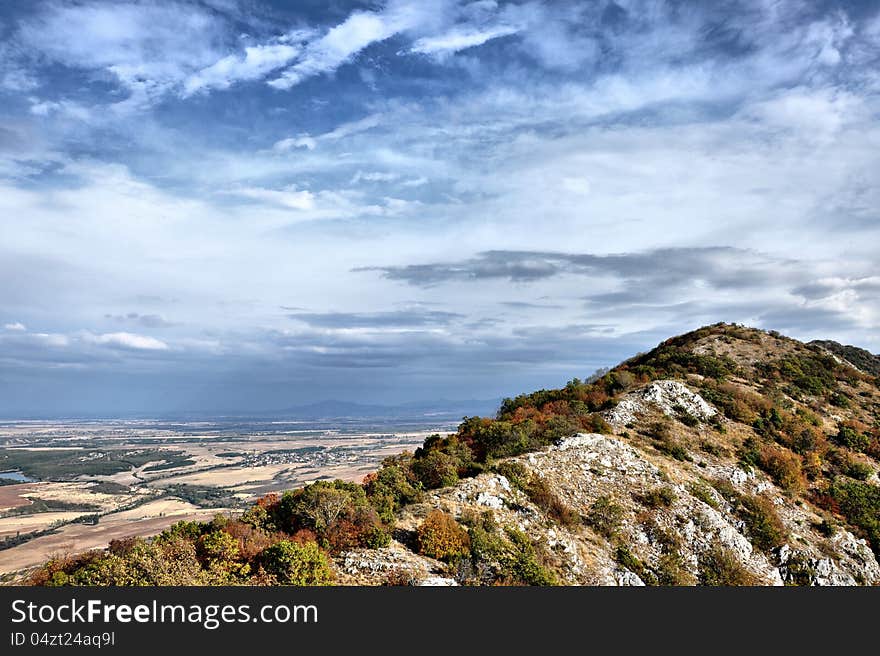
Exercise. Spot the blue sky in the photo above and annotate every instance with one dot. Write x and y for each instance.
(236, 205)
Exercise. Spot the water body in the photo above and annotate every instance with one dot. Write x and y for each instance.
(16, 476)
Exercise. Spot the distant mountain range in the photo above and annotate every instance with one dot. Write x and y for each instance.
(334, 409)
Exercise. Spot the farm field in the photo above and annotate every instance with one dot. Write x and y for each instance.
(87, 483)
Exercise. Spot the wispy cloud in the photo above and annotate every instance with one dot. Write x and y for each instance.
(341, 131)
(253, 64)
(129, 341)
(343, 42)
(718, 266)
(460, 38)
(149, 48)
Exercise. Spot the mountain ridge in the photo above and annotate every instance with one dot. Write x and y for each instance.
(724, 456)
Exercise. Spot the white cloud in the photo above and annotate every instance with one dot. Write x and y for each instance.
(16, 326)
(255, 63)
(51, 339)
(148, 47)
(819, 113)
(17, 79)
(576, 185)
(374, 176)
(128, 341)
(342, 43)
(340, 132)
(460, 38)
(335, 48)
(290, 198)
(65, 108)
(302, 141)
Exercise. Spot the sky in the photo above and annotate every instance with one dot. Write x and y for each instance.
(240, 205)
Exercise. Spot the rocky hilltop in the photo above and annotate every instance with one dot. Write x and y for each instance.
(725, 456)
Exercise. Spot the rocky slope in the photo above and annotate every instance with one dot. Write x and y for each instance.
(687, 503)
(725, 456)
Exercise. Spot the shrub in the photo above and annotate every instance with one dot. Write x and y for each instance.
(851, 438)
(250, 540)
(595, 423)
(170, 561)
(391, 487)
(858, 470)
(487, 544)
(605, 516)
(521, 563)
(398, 578)
(217, 548)
(812, 374)
(665, 442)
(182, 530)
(625, 558)
(337, 512)
(513, 471)
(441, 537)
(783, 466)
(719, 567)
(859, 502)
(701, 491)
(436, 469)
(541, 494)
(839, 400)
(763, 525)
(296, 564)
(659, 497)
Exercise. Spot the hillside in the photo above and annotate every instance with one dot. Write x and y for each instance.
(858, 357)
(725, 456)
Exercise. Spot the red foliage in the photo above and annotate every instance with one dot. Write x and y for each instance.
(826, 502)
(268, 501)
(561, 407)
(251, 540)
(304, 535)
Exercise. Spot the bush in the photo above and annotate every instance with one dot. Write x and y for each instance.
(541, 494)
(625, 558)
(665, 442)
(851, 438)
(337, 512)
(217, 548)
(392, 487)
(763, 525)
(296, 564)
(605, 516)
(521, 564)
(436, 469)
(441, 537)
(719, 567)
(701, 491)
(858, 470)
(513, 471)
(659, 497)
(783, 466)
(250, 540)
(859, 502)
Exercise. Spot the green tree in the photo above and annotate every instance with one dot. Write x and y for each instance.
(296, 564)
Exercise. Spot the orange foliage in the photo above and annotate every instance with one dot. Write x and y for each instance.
(268, 501)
